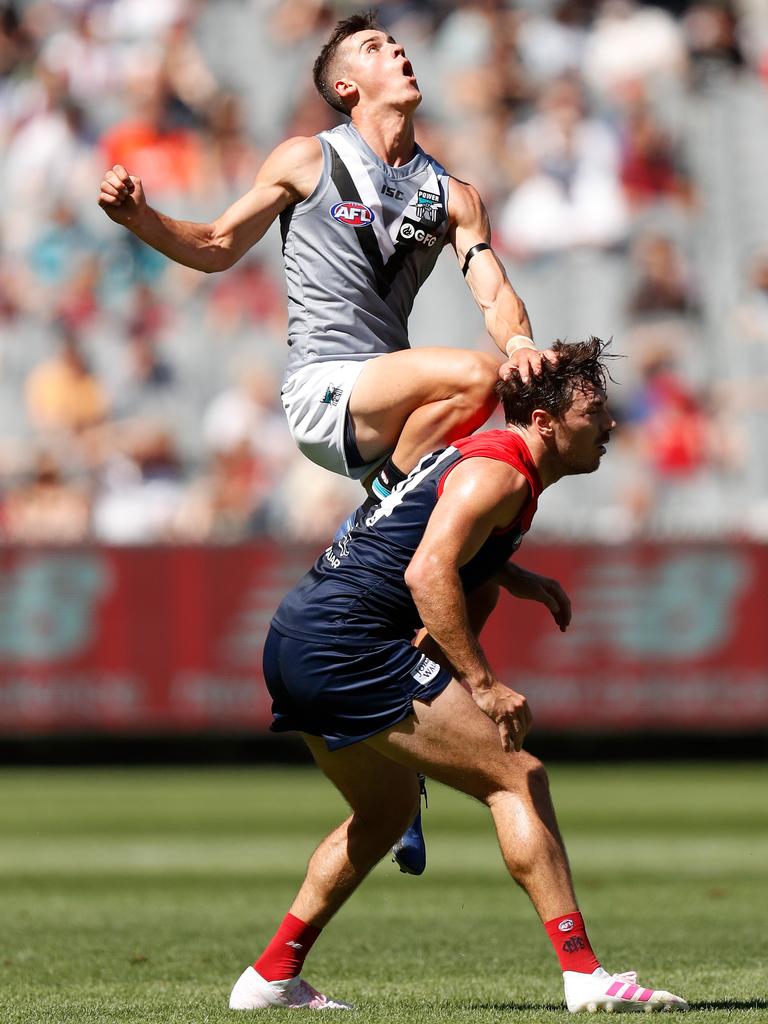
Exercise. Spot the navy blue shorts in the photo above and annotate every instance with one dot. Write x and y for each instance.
(346, 695)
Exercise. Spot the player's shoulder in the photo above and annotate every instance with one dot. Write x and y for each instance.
(296, 163)
(464, 201)
(487, 473)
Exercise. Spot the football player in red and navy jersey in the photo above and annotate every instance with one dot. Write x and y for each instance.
(342, 668)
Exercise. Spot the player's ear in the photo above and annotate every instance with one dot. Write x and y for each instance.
(347, 92)
(543, 423)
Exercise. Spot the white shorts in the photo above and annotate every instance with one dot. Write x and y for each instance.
(315, 399)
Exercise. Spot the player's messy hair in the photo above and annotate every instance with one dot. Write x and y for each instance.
(579, 366)
(323, 70)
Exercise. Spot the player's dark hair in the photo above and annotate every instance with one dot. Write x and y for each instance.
(580, 366)
(321, 72)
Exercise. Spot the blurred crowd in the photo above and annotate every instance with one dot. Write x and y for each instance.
(139, 400)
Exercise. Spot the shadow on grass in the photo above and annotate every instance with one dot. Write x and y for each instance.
(506, 1007)
(731, 1004)
(723, 1004)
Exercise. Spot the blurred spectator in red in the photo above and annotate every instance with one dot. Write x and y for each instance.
(47, 509)
(671, 419)
(677, 435)
(663, 283)
(247, 294)
(169, 155)
(650, 169)
(62, 394)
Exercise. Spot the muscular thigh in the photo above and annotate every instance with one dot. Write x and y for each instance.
(392, 386)
(371, 783)
(454, 742)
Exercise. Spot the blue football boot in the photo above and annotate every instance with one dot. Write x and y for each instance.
(410, 851)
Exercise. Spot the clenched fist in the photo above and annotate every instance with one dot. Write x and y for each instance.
(121, 196)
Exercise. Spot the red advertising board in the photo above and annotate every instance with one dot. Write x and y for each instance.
(170, 639)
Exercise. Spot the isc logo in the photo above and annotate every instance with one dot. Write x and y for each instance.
(353, 213)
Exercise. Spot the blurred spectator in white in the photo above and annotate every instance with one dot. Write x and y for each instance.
(87, 61)
(570, 194)
(249, 413)
(552, 43)
(62, 394)
(312, 503)
(48, 160)
(47, 509)
(630, 41)
(751, 315)
(141, 488)
(143, 20)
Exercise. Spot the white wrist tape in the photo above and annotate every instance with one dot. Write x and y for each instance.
(518, 341)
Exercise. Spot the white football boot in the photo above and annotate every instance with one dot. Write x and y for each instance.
(252, 992)
(615, 993)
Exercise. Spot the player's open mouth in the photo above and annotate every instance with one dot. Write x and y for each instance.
(408, 70)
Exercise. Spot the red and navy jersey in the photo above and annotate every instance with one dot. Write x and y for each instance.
(356, 594)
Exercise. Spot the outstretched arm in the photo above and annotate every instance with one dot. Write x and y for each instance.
(288, 175)
(479, 495)
(506, 318)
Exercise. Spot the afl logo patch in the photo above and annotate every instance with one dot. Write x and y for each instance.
(566, 926)
(354, 214)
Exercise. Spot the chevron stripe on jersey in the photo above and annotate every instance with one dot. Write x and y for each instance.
(355, 594)
(358, 249)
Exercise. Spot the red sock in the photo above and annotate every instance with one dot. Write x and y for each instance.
(284, 956)
(569, 938)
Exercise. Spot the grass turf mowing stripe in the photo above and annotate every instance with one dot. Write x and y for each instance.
(140, 895)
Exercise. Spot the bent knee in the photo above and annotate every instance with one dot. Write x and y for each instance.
(522, 775)
(478, 374)
(391, 817)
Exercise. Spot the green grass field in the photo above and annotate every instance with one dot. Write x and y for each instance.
(141, 895)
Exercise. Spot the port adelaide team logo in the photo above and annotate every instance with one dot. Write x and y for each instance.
(354, 214)
(428, 206)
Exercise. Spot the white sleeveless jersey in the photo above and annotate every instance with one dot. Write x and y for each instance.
(358, 249)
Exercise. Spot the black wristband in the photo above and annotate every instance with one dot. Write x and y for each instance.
(473, 252)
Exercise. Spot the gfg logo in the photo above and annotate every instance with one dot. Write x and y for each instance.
(354, 214)
(410, 233)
